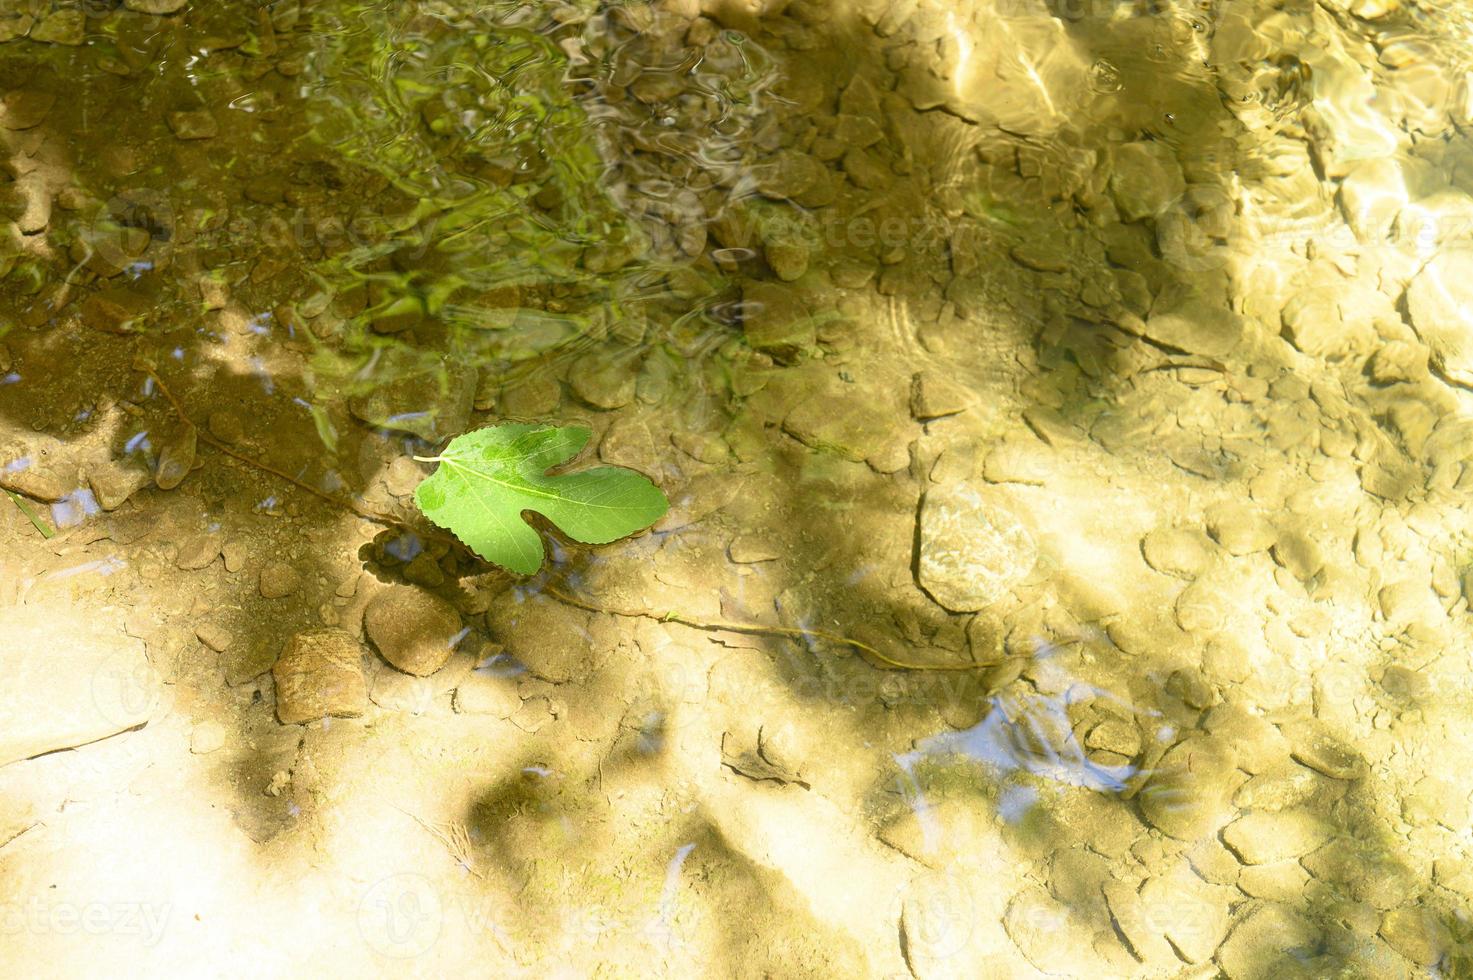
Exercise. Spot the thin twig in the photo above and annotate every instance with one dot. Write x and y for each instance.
(367, 513)
(753, 629)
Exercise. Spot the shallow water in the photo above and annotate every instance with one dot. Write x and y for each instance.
(1063, 407)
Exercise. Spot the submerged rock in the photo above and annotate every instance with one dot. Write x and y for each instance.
(1147, 179)
(971, 551)
(320, 673)
(70, 683)
(414, 630)
(1440, 305)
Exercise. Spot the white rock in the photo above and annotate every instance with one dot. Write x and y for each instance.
(1440, 305)
(1147, 179)
(971, 549)
(64, 683)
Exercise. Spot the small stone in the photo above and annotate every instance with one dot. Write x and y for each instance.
(114, 482)
(1313, 745)
(1263, 837)
(214, 636)
(278, 580)
(1187, 795)
(413, 630)
(194, 124)
(61, 27)
(1397, 362)
(13, 25)
(155, 6)
(746, 549)
(434, 405)
(1022, 461)
(1435, 799)
(207, 737)
(1283, 785)
(25, 109)
(118, 310)
(971, 551)
(776, 321)
(486, 694)
(226, 426)
(1282, 881)
(934, 397)
(1298, 554)
(176, 458)
(788, 260)
(1196, 326)
(1182, 552)
(197, 552)
(1263, 941)
(1371, 196)
(1416, 933)
(1147, 179)
(234, 553)
(1239, 528)
(1333, 322)
(1439, 303)
(603, 381)
(320, 673)
(1190, 913)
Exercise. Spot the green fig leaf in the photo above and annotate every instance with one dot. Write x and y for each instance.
(488, 477)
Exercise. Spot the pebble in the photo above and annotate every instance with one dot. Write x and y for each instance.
(207, 737)
(1314, 746)
(25, 109)
(1264, 836)
(197, 552)
(1183, 552)
(194, 124)
(1196, 326)
(1240, 528)
(1439, 304)
(933, 396)
(278, 580)
(414, 630)
(61, 27)
(214, 636)
(972, 550)
(234, 553)
(1187, 795)
(1188, 912)
(1282, 881)
(434, 405)
(746, 549)
(113, 483)
(603, 381)
(320, 673)
(486, 694)
(776, 321)
(1147, 179)
(1298, 554)
(155, 6)
(176, 458)
(1263, 938)
(1416, 933)
(1371, 195)
(226, 426)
